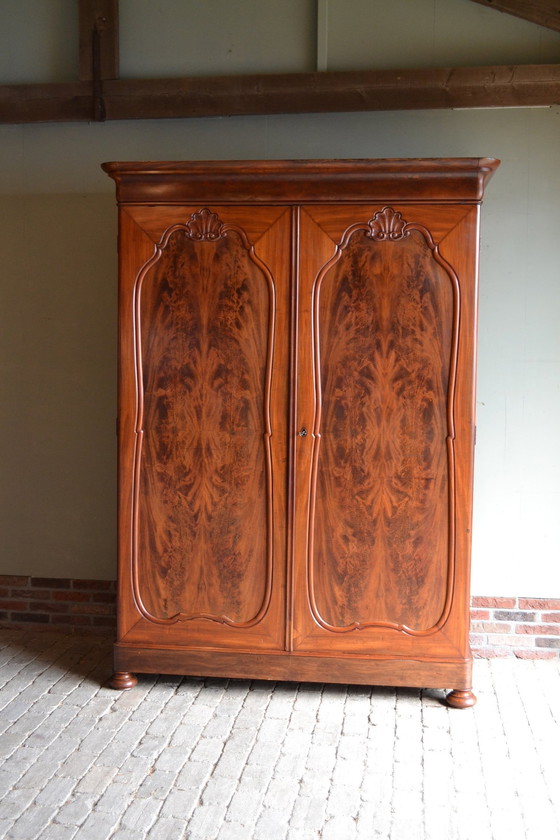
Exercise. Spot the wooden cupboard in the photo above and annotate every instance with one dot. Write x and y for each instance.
(296, 419)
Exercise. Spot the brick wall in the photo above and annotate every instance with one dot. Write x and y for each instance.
(528, 628)
(87, 605)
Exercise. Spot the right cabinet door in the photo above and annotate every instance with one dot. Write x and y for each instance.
(385, 390)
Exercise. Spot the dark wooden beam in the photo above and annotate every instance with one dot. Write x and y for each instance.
(544, 12)
(71, 102)
(462, 87)
(294, 93)
(99, 39)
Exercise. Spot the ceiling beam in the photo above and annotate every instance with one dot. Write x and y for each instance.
(544, 12)
(54, 102)
(293, 93)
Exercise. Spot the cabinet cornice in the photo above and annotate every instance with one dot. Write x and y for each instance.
(448, 180)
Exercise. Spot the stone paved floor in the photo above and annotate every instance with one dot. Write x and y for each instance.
(179, 758)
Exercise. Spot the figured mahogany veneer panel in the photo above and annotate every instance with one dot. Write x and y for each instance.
(204, 311)
(382, 505)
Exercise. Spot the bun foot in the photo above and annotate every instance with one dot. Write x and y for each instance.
(122, 680)
(461, 699)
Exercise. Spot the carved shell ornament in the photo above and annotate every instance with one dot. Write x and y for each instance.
(387, 224)
(205, 226)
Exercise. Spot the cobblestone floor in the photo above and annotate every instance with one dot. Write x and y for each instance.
(179, 758)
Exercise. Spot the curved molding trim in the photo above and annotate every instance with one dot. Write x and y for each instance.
(203, 226)
(387, 225)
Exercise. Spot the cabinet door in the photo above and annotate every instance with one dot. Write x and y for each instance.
(203, 402)
(385, 387)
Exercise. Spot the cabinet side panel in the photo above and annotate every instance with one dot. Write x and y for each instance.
(381, 534)
(203, 317)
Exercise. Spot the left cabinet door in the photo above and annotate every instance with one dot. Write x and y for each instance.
(203, 402)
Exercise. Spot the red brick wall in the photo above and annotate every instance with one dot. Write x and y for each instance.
(57, 602)
(528, 628)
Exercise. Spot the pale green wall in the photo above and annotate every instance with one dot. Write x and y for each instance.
(58, 239)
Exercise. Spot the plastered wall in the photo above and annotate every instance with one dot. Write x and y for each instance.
(58, 244)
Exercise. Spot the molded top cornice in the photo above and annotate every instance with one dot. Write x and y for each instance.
(289, 181)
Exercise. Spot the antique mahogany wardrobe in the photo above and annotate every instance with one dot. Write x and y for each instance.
(296, 419)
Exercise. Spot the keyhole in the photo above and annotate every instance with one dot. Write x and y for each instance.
(303, 432)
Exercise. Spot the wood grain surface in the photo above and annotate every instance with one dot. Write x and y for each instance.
(384, 344)
(204, 335)
(296, 419)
